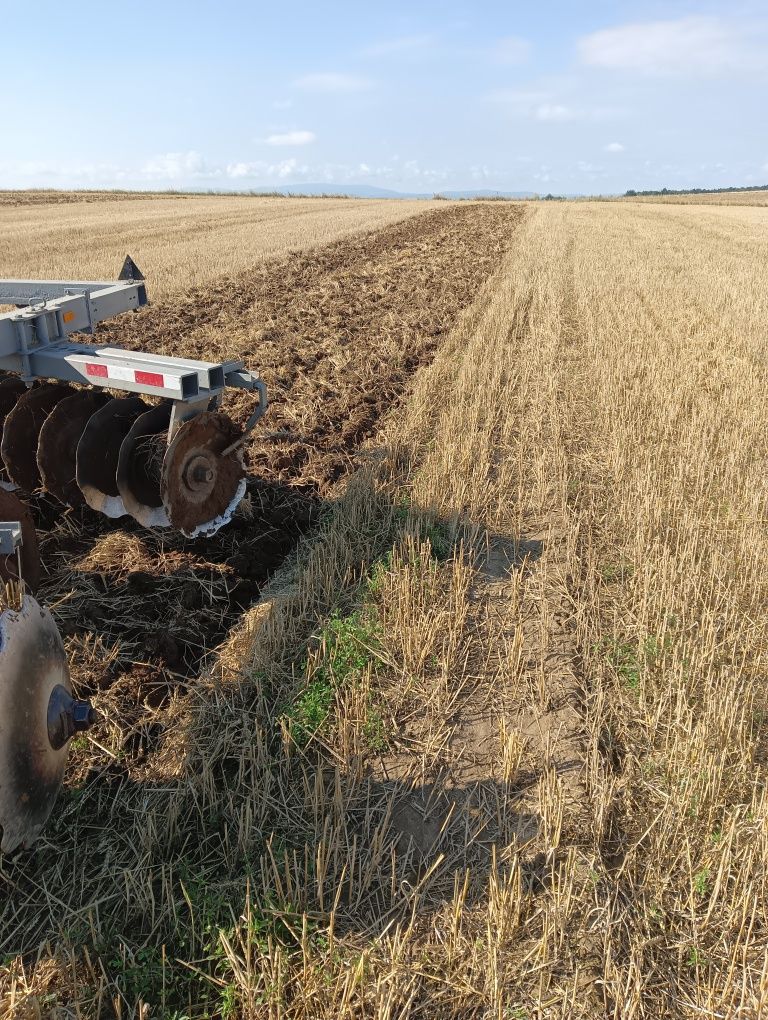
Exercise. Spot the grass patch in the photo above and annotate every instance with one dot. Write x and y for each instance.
(632, 660)
(347, 647)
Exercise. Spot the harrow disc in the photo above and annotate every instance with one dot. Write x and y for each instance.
(32, 665)
(140, 464)
(21, 432)
(11, 388)
(12, 509)
(59, 438)
(98, 452)
(201, 485)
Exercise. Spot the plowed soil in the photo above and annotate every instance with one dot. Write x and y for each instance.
(336, 333)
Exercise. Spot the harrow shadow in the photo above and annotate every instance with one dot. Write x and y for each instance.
(396, 828)
(165, 600)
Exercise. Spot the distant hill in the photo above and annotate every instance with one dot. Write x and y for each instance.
(371, 191)
(485, 193)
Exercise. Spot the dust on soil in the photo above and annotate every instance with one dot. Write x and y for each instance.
(336, 334)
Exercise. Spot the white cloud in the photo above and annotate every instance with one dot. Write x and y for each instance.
(191, 170)
(332, 81)
(429, 175)
(698, 44)
(547, 108)
(39, 173)
(238, 170)
(259, 170)
(481, 173)
(614, 147)
(176, 166)
(291, 138)
(512, 49)
(555, 112)
(403, 44)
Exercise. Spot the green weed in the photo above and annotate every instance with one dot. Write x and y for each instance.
(631, 659)
(374, 732)
(701, 881)
(311, 709)
(695, 958)
(348, 646)
(616, 571)
(351, 643)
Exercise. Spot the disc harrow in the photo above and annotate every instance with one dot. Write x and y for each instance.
(38, 711)
(161, 451)
(125, 433)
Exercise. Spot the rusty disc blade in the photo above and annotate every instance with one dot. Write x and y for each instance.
(21, 432)
(98, 452)
(201, 487)
(32, 664)
(59, 438)
(140, 464)
(12, 509)
(11, 388)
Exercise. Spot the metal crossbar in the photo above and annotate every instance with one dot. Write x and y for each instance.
(35, 344)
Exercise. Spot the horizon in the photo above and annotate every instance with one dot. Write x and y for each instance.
(620, 96)
(338, 191)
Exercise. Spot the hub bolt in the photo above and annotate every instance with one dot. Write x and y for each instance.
(198, 473)
(67, 716)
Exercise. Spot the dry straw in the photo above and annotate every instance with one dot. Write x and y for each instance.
(539, 792)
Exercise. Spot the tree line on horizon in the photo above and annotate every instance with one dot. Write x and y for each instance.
(695, 191)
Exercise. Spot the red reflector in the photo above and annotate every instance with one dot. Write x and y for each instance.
(149, 378)
(93, 368)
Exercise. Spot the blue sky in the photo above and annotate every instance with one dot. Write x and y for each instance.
(552, 96)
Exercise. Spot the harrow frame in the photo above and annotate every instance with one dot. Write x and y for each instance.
(102, 458)
(35, 344)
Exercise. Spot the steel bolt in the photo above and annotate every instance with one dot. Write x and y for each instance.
(198, 473)
(202, 474)
(67, 716)
(84, 715)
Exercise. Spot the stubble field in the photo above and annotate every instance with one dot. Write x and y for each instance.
(178, 241)
(465, 716)
(729, 198)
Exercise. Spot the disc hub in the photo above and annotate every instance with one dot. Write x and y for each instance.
(199, 474)
(203, 478)
(67, 716)
(37, 716)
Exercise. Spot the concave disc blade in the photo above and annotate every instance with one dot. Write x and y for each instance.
(11, 388)
(57, 445)
(200, 486)
(98, 452)
(32, 664)
(22, 430)
(140, 464)
(12, 509)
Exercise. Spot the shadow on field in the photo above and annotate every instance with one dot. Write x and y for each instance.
(207, 803)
